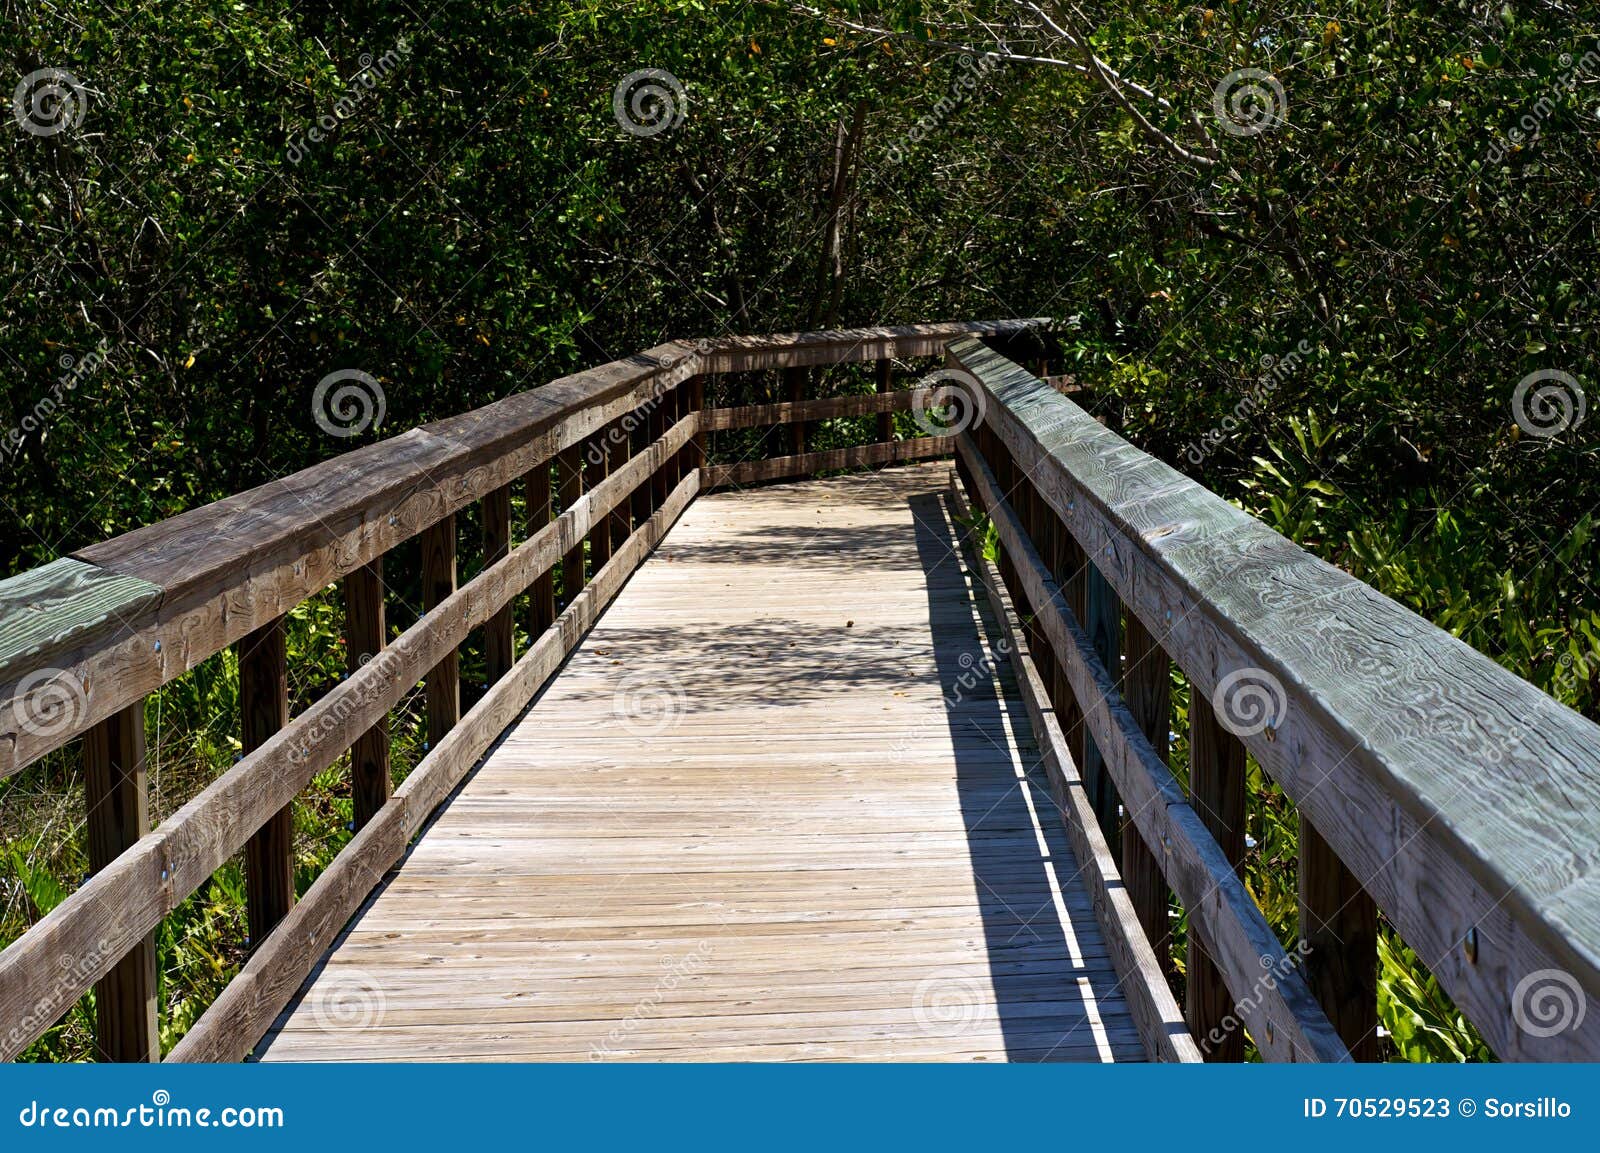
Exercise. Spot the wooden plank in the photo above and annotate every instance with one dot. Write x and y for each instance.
(366, 633)
(438, 585)
(1217, 792)
(542, 596)
(1140, 970)
(106, 917)
(823, 408)
(1281, 1014)
(699, 449)
(264, 711)
(116, 796)
(885, 381)
(61, 606)
(1380, 712)
(596, 463)
(618, 449)
(846, 346)
(795, 381)
(1102, 620)
(859, 456)
(569, 486)
(498, 637)
(1147, 689)
(232, 1025)
(1339, 928)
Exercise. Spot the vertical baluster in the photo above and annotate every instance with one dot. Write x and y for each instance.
(569, 482)
(499, 646)
(1102, 620)
(1147, 689)
(438, 582)
(1217, 792)
(596, 462)
(639, 441)
(885, 386)
(660, 421)
(1339, 923)
(542, 594)
(618, 448)
(365, 636)
(263, 711)
(118, 807)
(698, 448)
(794, 380)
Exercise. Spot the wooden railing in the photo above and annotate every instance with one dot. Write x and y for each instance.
(1431, 783)
(619, 449)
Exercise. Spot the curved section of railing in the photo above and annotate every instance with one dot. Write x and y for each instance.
(84, 639)
(1460, 800)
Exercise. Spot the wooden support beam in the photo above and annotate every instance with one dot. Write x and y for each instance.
(698, 452)
(542, 593)
(885, 387)
(1102, 620)
(1217, 792)
(1339, 924)
(661, 419)
(1147, 689)
(263, 711)
(596, 465)
(794, 384)
(619, 449)
(438, 582)
(569, 486)
(114, 792)
(365, 636)
(639, 443)
(857, 456)
(498, 643)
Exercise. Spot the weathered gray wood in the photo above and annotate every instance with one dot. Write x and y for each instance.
(443, 688)
(1147, 688)
(62, 606)
(1217, 792)
(825, 408)
(263, 711)
(542, 596)
(858, 456)
(1102, 620)
(116, 796)
(1339, 928)
(1271, 997)
(596, 463)
(365, 635)
(569, 489)
(846, 346)
(498, 636)
(1140, 971)
(1380, 714)
(230, 1028)
(105, 918)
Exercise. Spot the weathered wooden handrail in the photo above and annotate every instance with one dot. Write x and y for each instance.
(83, 640)
(1464, 801)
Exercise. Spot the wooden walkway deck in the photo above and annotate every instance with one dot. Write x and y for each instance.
(743, 824)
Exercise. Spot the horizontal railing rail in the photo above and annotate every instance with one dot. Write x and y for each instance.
(85, 639)
(1432, 784)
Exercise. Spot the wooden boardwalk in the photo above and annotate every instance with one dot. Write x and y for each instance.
(782, 803)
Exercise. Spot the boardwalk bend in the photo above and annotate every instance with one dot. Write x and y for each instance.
(792, 767)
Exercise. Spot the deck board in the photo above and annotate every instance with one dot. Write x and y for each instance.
(743, 824)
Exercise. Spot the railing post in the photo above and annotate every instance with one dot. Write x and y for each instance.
(498, 643)
(794, 380)
(263, 711)
(660, 421)
(542, 594)
(438, 582)
(1102, 620)
(618, 448)
(118, 815)
(364, 639)
(1217, 792)
(1147, 689)
(596, 461)
(885, 386)
(1339, 924)
(644, 420)
(569, 486)
(698, 450)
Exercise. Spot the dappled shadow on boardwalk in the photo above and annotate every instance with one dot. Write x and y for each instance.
(1019, 852)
